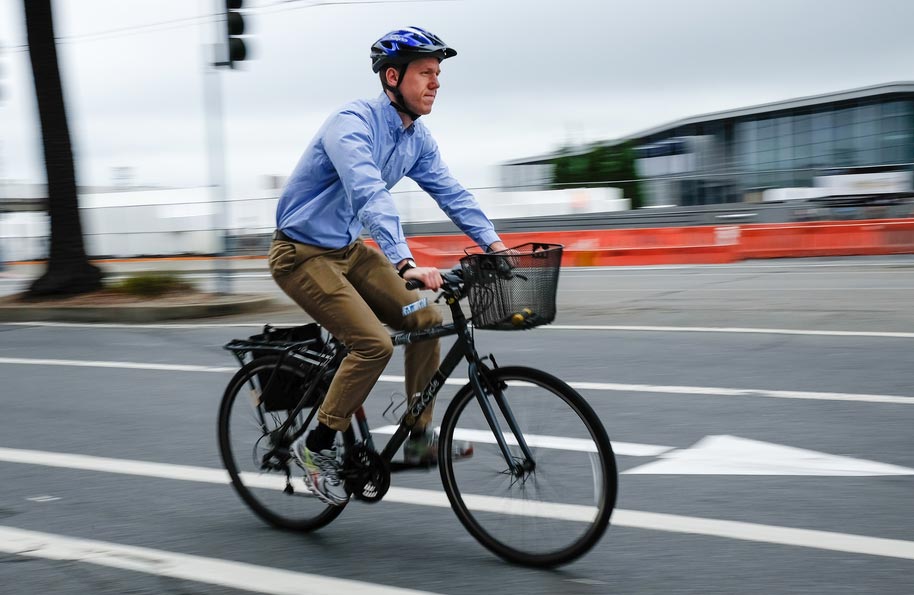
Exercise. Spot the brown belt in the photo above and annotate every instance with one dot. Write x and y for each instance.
(278, 235)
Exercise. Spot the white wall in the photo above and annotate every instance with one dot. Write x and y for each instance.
(182, 221)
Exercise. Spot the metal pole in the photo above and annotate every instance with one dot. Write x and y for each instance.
(212, 97)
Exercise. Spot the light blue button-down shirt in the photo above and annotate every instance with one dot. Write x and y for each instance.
(342, 183)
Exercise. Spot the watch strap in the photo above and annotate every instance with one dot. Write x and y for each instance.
(409, 264)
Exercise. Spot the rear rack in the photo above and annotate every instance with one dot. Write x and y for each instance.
(305, 343)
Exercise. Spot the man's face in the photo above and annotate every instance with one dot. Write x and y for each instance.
(420, 84)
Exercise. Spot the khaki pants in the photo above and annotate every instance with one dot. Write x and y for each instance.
(351, 291)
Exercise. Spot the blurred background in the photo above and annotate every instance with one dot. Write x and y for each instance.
(581, 114)
(760, 410)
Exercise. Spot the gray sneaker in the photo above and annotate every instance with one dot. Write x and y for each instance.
(424, 450)
(322, 471)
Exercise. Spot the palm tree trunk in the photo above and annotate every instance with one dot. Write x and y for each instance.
(68, 271)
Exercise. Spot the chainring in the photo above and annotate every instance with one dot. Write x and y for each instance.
(366, 473)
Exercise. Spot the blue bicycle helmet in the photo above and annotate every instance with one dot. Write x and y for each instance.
(399, 48)
(405, 45)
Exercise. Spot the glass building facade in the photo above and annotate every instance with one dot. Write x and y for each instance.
(737, 155)
(788, 150)
(787, 144)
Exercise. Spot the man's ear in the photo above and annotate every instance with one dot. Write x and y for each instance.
(391, 75)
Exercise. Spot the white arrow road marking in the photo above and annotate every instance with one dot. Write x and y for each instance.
(631, 449)
(600, 386)
(712, 455)
(236, 575)
(825, 540)
(731, 455)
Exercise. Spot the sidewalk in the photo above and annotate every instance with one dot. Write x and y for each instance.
(197, 305)
(175, 264)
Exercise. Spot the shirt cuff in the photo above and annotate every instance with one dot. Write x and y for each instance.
(397, 252)
(487, 238)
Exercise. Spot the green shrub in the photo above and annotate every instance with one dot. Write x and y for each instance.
(151, 284)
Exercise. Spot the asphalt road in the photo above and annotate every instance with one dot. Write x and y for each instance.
(748, 380)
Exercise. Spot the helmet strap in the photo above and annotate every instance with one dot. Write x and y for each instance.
(398, 102)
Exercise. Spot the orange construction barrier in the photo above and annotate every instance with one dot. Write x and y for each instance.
(694, 245)
(827, 238)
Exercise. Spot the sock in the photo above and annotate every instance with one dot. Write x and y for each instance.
(418, 433)
(320, 438)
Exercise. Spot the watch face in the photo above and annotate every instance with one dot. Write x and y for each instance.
(409, 264)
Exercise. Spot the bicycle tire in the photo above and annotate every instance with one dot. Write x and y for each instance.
(244, 438)
(543, 405)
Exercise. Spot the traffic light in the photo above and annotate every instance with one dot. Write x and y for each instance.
(234, 26)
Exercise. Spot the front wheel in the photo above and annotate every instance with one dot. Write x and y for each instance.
(552, 507)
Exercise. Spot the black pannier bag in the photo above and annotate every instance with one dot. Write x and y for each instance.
(287, 388)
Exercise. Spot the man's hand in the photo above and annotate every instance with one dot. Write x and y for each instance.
(499, 246)
(429, 276)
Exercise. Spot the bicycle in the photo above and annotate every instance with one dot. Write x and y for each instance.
(527, 495)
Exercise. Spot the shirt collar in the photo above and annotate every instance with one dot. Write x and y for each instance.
(393, 116)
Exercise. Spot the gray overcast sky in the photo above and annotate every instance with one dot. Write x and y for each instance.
(530, 75)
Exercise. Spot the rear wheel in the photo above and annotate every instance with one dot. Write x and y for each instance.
(271, 485)
(558, 507)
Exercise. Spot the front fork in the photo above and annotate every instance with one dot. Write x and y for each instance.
(483, 386)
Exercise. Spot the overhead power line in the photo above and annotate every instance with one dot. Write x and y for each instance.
(272, 8)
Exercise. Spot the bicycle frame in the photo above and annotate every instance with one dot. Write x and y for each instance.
(463, 348)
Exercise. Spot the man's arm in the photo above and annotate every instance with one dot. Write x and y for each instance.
(347, 142)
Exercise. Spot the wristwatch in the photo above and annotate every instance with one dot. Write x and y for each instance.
(409, 264)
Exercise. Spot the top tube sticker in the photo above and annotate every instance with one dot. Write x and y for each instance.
(415, 306)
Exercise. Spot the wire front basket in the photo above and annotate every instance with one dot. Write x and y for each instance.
(513, 289)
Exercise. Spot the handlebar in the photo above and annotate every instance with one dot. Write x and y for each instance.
(453, 280)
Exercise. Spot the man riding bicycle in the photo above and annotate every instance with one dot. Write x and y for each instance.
(340, 187)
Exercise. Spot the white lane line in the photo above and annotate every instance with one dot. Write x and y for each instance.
(699, 289)
(631, 449)
(597, 386)
(823, 540)
(743, 392)
(120, 365)
(276, 482)
(121, 325)
(213, 571)
(728, 270)
(710, 391)
(733, 330)
(551, 327)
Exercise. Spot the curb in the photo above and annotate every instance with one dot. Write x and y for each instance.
(222, 306)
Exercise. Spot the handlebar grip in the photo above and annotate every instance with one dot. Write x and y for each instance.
(414, 284)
